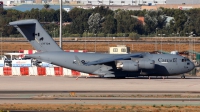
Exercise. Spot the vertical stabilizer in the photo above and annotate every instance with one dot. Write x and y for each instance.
(36, 35)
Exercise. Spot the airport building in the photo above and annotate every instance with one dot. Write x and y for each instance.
(182, 1)
(122, 2)
(90, 2)
(104, 2)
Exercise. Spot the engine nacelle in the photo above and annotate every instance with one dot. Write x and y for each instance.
(127, 65)
(146, 64)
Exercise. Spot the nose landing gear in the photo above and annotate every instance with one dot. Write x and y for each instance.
(182, 76)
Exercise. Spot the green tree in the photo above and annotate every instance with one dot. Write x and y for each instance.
(35, 14)
(127, 23)
(180, 19)
(47, 15)
(193, 21)
(79, 18)
(154, 19)
(77, 26)
(109, 25)
(103, 11)
(94, 22)
(65, 16)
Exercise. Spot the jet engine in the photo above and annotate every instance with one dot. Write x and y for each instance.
(146, 64)
(127, 65)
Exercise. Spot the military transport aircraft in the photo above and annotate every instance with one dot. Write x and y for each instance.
(104, 65)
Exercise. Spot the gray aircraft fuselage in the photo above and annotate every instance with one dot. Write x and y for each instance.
(165, 64)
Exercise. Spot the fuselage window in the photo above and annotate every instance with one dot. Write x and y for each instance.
(123, 50)
(183, 60)
(115, 50)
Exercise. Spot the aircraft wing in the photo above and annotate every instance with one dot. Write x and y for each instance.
(113, 58)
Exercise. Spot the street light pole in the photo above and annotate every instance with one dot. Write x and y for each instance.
(124, 39)
(108, 40)
(187, 35)
(194, 40)
(179, 42)
(163, 35)
(159, 35)
(60, 40)
(191, 34)
(175, 41)
(95, 41)
(85, 38)
(156, 41)
(54, 32)
(161, 41)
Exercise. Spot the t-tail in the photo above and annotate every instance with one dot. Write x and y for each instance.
(36, 35)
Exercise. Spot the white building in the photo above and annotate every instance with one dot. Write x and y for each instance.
(120, 49)
(183, 1)
(99, 2)
(121, 2)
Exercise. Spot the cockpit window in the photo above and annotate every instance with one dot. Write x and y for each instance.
(185, 59)
(188, 63)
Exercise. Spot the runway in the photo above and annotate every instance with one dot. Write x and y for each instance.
(66, 90)
(48, 83)
(115, 101)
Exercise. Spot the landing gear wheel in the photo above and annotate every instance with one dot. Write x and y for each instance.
(183, 77)
(121, 77)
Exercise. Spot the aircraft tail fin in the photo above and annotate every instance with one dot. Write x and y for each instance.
(36, 35)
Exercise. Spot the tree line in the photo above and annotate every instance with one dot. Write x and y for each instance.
(104, 22)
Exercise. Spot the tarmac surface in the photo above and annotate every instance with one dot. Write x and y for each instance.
(70, 90)
(48, 83)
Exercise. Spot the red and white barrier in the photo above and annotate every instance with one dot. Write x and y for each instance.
(27, 52)
(1, 71)
(34, 51)
(40, 71)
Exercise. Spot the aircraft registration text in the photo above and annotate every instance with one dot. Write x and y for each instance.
(167, 60)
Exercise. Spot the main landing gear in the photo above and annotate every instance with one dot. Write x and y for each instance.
(182, 76)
